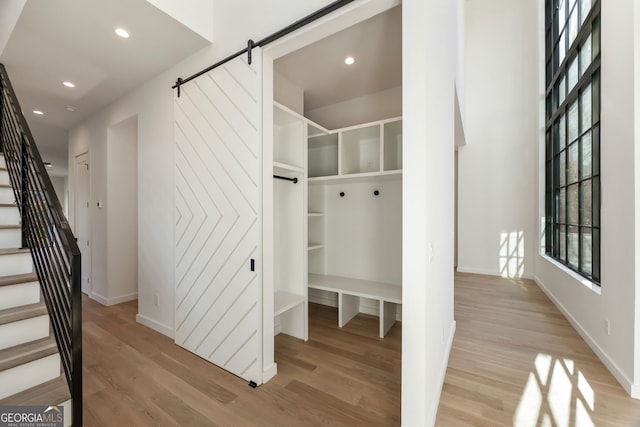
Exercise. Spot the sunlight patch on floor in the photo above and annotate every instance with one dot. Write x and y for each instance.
(556, 394)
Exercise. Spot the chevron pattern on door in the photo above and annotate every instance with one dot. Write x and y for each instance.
(217, 186)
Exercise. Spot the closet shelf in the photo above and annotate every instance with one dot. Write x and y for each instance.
(315, 214)
(283, 168)
(284, 301)
(313, 246)
(357, 177)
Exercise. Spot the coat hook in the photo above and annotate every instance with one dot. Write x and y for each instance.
(376, 192)
(342, 194)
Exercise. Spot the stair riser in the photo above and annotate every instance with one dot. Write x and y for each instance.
(7, 196)
(4, 178)
(29, 375)
(10, 238)
(18, 295)
(3, 162)
(15, 264)
(9, 215)
(23, 331)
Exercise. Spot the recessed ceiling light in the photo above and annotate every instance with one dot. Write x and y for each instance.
(70, 108)
(38, 112)
(349, 60)
(122, 33)
(68, 84)
(48, 165)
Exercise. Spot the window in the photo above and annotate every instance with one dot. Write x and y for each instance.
(572, 183)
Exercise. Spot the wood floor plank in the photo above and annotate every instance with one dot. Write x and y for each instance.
(516, 361)
(145, 377)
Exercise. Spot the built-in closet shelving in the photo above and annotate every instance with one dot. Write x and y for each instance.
(338, 229)
(290, 222)
(363, 152)
(354, 219)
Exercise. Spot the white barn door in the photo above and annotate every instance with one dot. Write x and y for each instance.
(218, 292)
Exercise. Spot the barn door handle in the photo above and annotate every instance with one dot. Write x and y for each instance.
(253, 264)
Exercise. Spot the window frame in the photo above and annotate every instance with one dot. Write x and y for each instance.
(559, 68)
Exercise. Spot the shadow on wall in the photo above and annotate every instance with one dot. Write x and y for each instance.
(557, 394)
(511, 254)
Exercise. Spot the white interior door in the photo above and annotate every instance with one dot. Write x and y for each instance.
(217, 234)
(82, 218)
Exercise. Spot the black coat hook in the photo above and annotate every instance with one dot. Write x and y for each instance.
(342, 194)
(376, 193)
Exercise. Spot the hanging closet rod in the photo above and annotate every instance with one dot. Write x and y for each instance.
(265, 41)
(294, 180)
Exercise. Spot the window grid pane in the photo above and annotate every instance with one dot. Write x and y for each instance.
(572, 140)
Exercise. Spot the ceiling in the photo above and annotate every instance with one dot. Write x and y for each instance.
(71, 40)
(320, 71)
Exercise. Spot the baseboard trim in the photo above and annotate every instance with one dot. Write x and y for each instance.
(156, 326)
(443, 373)
(488, 272)
(632, 389)
(112, 301)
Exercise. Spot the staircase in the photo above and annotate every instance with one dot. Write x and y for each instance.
(30, 369)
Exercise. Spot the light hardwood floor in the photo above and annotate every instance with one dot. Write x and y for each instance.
(515, 362)
(134, 376)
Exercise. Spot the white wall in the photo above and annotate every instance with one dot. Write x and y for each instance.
(60, 185)
(10, 11)
(586, 309)
(364, 109)
(364, 232)
(288, 94)
(197, 15)
(429, 27)
(497, 167)
(121, 205)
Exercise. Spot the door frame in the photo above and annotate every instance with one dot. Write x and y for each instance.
(78, 160)
(339, 20)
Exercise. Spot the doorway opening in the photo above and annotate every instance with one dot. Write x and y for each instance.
(82, 217)
(336, 101)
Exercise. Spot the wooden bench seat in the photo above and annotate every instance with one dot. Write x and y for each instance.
(351, 290)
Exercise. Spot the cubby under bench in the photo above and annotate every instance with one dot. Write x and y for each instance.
(351, 290)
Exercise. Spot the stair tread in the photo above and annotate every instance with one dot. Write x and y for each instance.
(23, 312)
(8, 205)
(13, 251)
(53, 392)
(10, 227)
(27, 352)
(18, 278)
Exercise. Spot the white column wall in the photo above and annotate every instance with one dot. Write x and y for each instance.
(585, 308)
(496, 168)
(429, 47)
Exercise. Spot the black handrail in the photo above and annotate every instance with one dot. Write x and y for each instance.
(46, 232)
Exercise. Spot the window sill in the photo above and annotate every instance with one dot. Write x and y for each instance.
(572, 274)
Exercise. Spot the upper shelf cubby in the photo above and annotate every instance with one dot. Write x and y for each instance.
(366, 151)
(288, 132)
